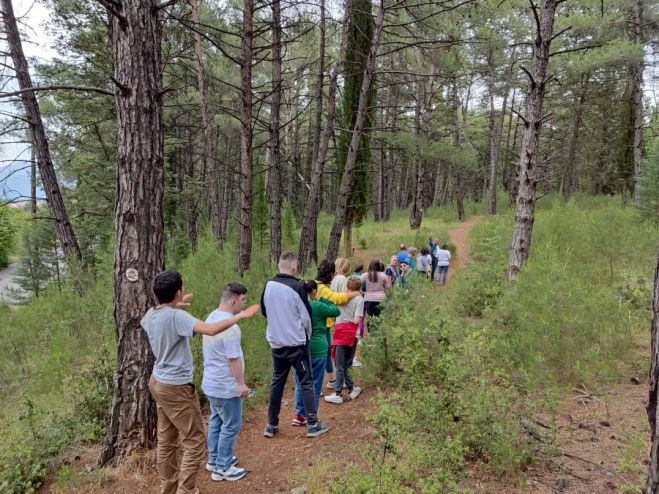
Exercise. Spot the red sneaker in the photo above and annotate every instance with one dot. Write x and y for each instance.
(299, 421)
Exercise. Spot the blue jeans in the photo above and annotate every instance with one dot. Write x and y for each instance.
(329, 368)
(223, 428)
(317, 373)
(443, 271)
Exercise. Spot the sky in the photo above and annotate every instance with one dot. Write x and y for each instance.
(37, 44)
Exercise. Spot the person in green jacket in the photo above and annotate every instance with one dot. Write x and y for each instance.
(321, 309)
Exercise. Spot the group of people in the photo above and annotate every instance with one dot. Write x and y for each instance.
(313, 326)
(433, 259)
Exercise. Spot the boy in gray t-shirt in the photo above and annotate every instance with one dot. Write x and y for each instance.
(169, 330)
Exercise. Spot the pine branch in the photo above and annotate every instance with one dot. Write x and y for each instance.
(57, 87)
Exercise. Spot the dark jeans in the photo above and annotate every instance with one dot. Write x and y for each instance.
(434, 267)
(283, 359)
(443, 270)
(344, 356)
(372, 309)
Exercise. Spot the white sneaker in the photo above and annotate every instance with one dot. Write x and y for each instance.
(334, 398)
(356, 363)
(231, 473)
(356, 391)
(330, 384)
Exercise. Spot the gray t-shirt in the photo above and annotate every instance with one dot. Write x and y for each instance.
(355, 307)
(169, 332)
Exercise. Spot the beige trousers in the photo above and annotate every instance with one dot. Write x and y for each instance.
(179, 416)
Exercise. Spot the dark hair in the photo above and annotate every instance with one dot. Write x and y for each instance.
(310, 285)
(325, 271)
(359, 268)
(373, 268)
(233, 290)
(424, 251)
(444, 247)
(166, 284)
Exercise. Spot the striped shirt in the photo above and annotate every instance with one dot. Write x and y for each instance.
(375, 290)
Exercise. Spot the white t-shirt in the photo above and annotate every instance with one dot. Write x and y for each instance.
(339, 283)
(218, 381)
(443, 257)
(355, 307)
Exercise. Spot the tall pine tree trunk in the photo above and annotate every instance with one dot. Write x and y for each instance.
(312, 206)
(139, 224)
(351, 158)
(637, 94)
(567, 182)
(496, 142)
(416, 211)
(273, 161)
(652, 485)
(210, 163)
(63, 227)
(523, 229)
(245, 252)
(456, 168)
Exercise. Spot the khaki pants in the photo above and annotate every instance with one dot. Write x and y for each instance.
(179, 415)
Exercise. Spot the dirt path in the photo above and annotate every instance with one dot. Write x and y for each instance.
(273, 465)
(458, 236)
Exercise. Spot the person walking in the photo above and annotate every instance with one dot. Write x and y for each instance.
(340, 280)
(377, 286)
(443, 261)
(434, 249)
(321, 309)
(324, 277)
(285, 305)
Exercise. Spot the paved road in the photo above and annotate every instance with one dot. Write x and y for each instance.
(7, 283)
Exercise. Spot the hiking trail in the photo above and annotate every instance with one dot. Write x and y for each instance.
(595, 431)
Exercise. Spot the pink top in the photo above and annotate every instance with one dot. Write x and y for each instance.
(376, 290)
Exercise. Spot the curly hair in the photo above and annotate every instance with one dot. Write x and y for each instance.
(325, 272)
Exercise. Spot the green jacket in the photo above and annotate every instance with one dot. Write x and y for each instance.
(321, 309)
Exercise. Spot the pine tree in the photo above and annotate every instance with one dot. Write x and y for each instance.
(360, 36)
(259, 206)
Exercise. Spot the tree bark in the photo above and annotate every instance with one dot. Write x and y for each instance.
(652, 484)
(246, 52)
(342, 204)
(63, 226)
(139, 222)
(567, 182)
(416, 211)
(523, 229)
(496, 140)
(210, 164)
(637, 92)
(273, 158)
(312, 207)
(456, 168)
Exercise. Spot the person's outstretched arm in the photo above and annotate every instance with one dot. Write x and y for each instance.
(217, 327)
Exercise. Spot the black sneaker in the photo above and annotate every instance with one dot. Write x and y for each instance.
(317, 429)
(270, 430)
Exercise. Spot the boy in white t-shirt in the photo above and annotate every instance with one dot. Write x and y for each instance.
(224, 385)
(344, 343)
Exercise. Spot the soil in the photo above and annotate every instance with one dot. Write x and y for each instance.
(605, 436)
